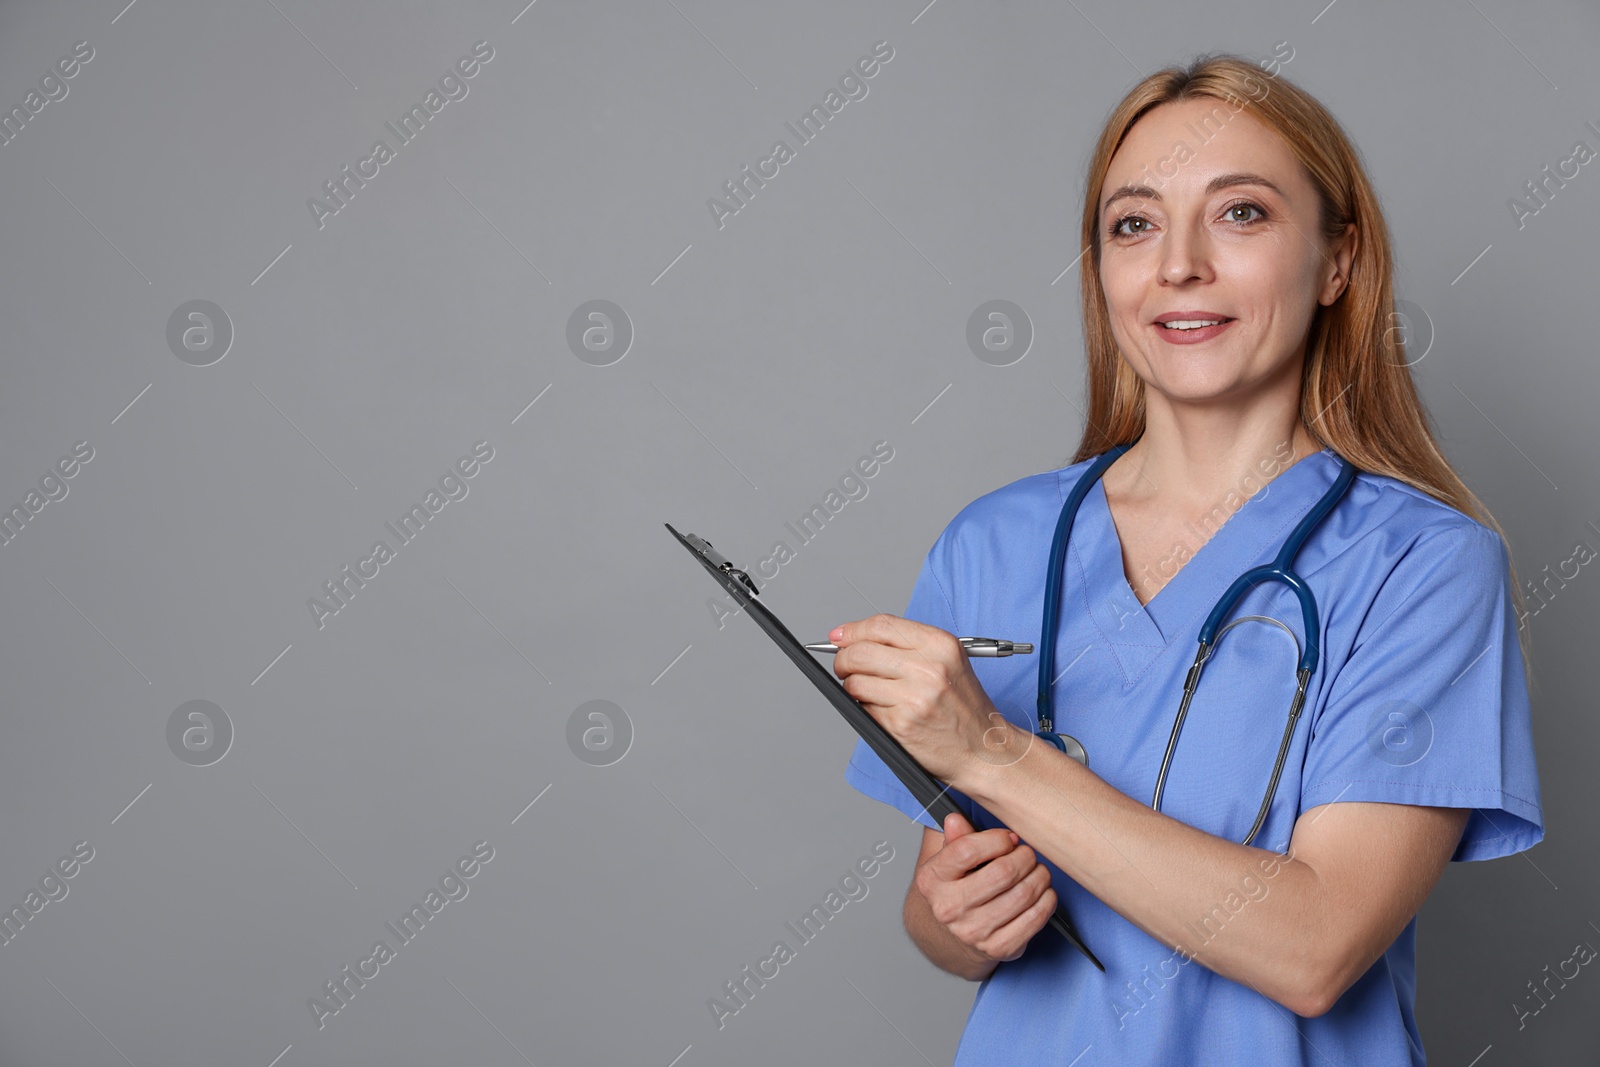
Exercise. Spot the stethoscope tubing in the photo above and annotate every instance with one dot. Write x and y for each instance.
(1053, 582)
(1279, 570)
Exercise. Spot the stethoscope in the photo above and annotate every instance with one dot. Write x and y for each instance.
(1279, 570)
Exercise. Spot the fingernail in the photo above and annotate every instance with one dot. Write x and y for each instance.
(1014, 838)
(836, 633)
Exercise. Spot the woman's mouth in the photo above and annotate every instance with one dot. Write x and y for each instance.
(1191, 330)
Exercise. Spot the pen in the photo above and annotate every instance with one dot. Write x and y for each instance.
(975, 646)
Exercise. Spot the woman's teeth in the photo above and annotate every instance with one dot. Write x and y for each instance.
(1190, 324)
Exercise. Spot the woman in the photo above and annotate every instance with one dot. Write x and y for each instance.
(1237, 297)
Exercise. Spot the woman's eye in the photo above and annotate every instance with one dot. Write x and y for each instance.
(1118, 231)
(1243, 206)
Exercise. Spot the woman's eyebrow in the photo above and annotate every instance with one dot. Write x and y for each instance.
(1221, 181)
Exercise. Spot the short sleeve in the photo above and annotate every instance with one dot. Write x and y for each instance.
(930, 604)
(1431, 707)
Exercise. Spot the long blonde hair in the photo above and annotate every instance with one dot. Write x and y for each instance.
(1356, 377)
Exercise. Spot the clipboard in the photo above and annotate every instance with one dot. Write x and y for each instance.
(928, 790)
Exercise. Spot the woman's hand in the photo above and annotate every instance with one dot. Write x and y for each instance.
(917, 682)
(989, 892)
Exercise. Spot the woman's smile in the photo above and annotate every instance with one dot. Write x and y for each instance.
(1190, 327)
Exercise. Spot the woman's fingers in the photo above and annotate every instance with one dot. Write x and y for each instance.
(1000, 928)
(885, 629)
(1008, 940)
(960, 855)
(1001, 876)
(992, 894)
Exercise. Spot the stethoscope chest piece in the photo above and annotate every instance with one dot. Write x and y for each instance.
(1068, 744)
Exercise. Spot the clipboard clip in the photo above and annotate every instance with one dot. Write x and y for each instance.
(722, 563)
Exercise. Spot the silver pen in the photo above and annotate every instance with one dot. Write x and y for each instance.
(975, 646)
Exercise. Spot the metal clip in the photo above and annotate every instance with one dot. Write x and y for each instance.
(721, 562)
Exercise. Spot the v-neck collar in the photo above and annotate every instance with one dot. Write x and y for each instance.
(1138, 633)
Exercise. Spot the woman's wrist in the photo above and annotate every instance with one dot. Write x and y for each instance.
(1004, 748)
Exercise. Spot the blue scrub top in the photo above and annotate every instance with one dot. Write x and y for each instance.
(1419, 698)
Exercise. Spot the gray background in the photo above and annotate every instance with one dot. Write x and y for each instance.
(769, 355)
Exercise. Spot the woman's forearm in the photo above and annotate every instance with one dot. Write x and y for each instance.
(1167, 877)
(942, 948)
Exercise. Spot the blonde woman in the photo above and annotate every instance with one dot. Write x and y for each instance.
(1246, 861)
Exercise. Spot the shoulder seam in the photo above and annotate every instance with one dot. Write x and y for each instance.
(1387, 483)
(944, 593)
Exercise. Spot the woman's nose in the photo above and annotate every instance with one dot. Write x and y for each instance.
(1185, 255)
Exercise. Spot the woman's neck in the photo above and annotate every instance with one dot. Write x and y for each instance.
(1197, 459)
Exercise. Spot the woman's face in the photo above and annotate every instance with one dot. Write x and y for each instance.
(1221, 224)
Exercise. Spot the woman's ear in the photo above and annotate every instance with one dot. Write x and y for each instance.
(1338, 277)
